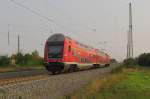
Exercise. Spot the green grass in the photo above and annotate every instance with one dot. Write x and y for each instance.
(136, 85)
(133, 84)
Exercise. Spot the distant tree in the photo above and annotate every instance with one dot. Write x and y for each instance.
(35, 53)
(28, 59)
(113, 60)
(36, 59)
(4, 60)
(144, 59)
(20, 60)
(130, 62)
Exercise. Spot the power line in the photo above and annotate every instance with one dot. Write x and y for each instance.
(18, 44)
(8, 36)
(36, 13)
(40, 15)
(69, 17)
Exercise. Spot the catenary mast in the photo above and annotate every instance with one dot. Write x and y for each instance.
(130, 35)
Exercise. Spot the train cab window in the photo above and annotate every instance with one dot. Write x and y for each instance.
(69, 48)
(55, 51)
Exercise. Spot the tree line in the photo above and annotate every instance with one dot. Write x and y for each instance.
(31, 59)
(20, 59)
(142, 60)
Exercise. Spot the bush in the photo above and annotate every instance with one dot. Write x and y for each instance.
(4, 60)
(20, 59)
(144, 59)
(113, 60)
(118, 69)
(28, 59)
(35, 59)
(130, 62)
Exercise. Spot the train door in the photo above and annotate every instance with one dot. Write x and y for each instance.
(69, 53)
(97, 59)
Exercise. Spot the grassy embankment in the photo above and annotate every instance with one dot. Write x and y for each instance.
(128, 84)
(11, 68)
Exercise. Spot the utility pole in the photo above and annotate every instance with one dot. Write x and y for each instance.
(18, 44)
(8, 38)
(128, 46)
(130, 35)
(8, 35)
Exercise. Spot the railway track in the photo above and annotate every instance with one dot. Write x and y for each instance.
(25, 73)
(45, 86)
(23, 76)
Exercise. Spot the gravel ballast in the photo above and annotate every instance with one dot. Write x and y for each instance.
(53, 86)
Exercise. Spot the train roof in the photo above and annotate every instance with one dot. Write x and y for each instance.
(61, 37)
(56, 37)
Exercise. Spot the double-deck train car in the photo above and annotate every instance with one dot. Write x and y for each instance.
(65, 54)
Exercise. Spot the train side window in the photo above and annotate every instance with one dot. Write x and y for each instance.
(86, 60)
(80, 59)
(69, 48)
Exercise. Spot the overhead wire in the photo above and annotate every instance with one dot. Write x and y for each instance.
(42, 16)
(70, 18)
(36, 13)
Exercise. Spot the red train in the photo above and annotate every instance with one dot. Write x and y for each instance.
(65, 54)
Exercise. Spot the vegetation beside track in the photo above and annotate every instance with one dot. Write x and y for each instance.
(21, 61)
(141, 60)
(130, 83)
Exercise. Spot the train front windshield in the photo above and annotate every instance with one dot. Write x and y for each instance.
(55, 51)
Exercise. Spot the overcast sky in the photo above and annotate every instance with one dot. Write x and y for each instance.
(102, 24)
